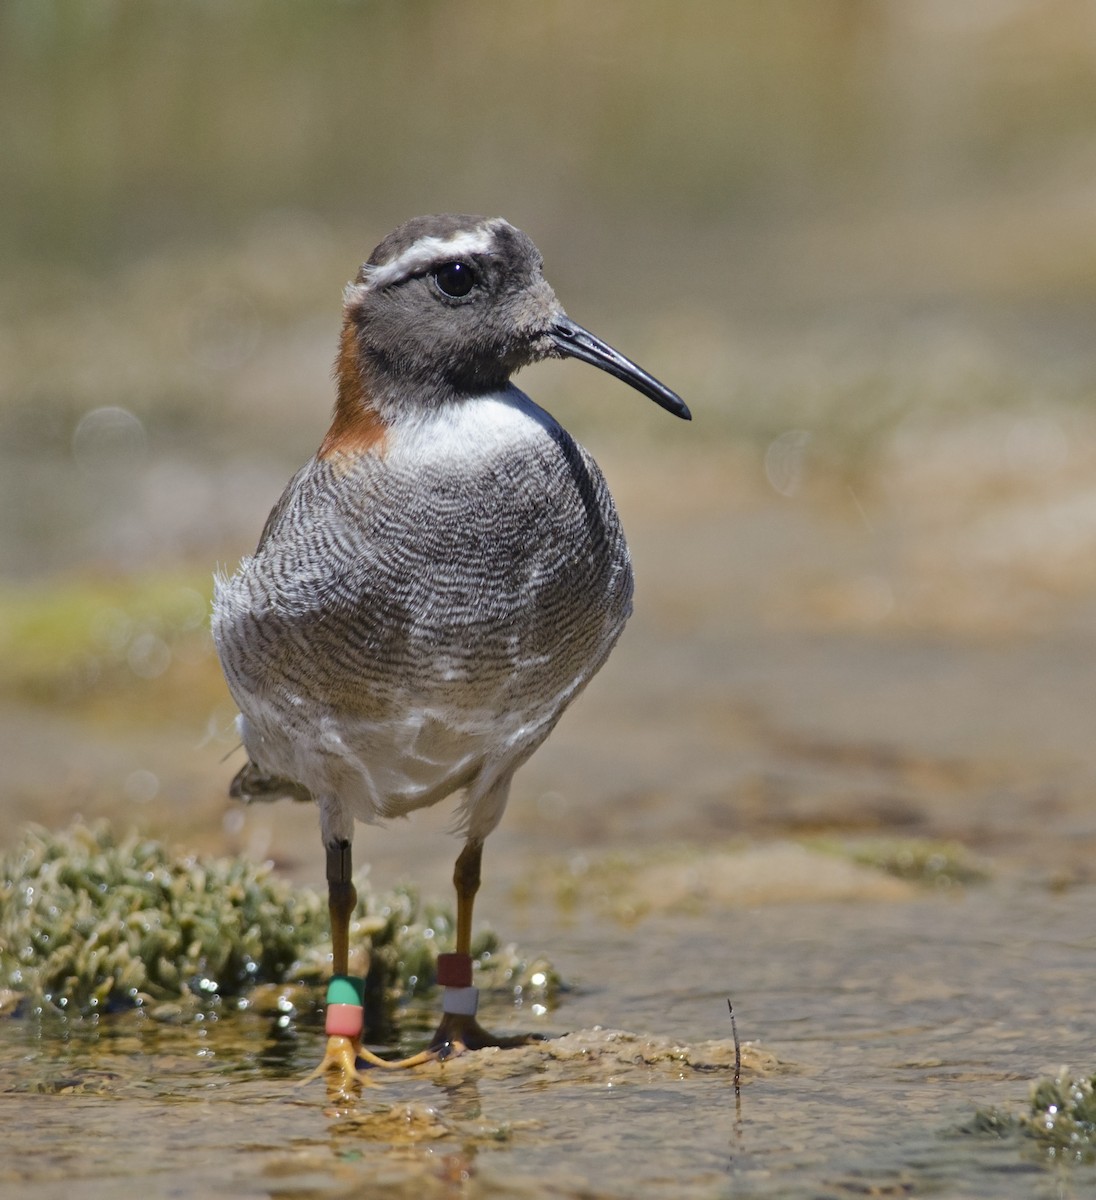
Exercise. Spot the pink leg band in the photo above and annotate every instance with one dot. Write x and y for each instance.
(344, 1020)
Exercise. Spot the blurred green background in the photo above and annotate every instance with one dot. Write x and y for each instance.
(802, 214)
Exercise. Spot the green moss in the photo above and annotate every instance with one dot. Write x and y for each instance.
(992, 1122)
(1063, 1115)
(1060, 1122)
(919, 860)
(91, 923)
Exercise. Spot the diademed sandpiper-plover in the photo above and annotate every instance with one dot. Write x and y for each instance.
(436, 584)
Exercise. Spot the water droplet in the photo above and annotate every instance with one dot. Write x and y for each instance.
(233, 821)
(785, 460)
(148, 656)
(141, 786)
(108, 439)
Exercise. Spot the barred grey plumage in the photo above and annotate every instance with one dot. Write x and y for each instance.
(439, 582)
(388, 652)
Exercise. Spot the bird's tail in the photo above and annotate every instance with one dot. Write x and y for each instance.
(253, 783)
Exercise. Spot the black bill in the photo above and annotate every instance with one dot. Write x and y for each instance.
(575, 342)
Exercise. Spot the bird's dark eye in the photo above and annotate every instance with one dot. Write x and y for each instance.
(454, 279)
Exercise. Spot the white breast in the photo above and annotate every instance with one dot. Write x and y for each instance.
(468, 433)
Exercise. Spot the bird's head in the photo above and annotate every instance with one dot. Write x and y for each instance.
(451, 306)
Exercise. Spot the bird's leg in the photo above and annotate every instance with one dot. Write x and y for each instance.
(345, 993)
(459, 1030)
(466, 880)
(341, 898)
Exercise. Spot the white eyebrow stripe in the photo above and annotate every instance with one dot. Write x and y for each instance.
(419, 255)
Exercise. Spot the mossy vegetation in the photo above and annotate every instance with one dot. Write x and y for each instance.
(1060, 1121)
(917, 860)
(90, 922)
(682, 878)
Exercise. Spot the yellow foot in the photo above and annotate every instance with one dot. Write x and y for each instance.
(339, 1066)
(456, 1034)
(341, 1059)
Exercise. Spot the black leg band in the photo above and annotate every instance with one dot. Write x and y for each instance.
(339, 865)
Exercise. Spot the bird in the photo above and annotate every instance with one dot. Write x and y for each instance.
(435, 585)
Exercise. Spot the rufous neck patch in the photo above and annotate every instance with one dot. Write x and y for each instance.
(356, 427)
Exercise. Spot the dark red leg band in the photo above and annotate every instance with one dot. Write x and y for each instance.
(455, 970)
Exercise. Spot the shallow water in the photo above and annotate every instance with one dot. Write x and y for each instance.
(890, 1023)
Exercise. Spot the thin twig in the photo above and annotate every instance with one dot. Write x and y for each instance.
(737, 1050)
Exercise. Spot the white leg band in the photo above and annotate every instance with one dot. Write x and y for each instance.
(460, 1001)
